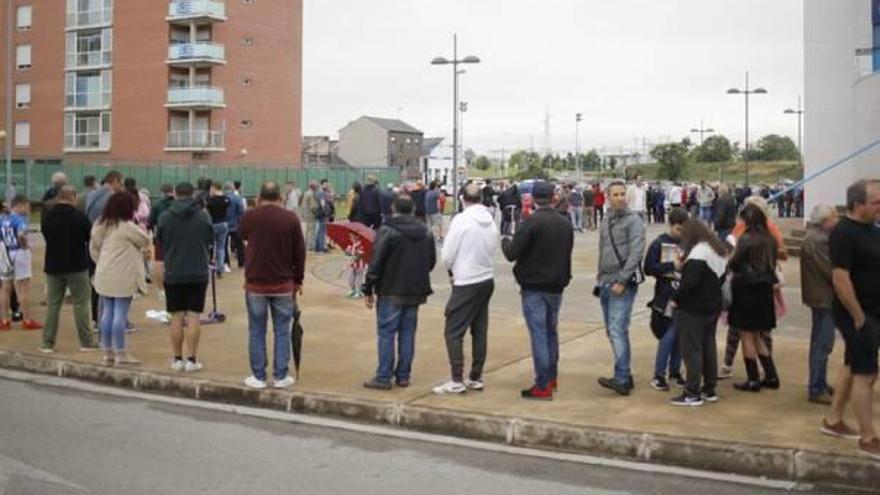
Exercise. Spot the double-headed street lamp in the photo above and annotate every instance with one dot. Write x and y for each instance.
(455, 62)
(702, 131)
(747, 92)
(800, 117)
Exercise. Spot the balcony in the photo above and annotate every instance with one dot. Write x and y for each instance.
(87, 19)
(186, 11)
(196, 98)
(198, 54)
(87, 143)
(98, 59)
(195, 141)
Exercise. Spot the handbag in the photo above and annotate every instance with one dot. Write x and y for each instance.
(639, 276)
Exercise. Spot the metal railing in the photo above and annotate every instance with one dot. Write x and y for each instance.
(195, 8)
(89, 59)
(86, 101)
(89, 18)
(206, 95)
(202, 50)
(195, 139)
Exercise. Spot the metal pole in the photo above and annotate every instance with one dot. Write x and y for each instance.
(577, 154)
(455, 123)
(9, 95)
(747, 129)
(800, 149)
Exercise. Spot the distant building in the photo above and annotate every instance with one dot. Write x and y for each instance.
(436, 161)
(376, 142)
(319, 152)
(842, 94)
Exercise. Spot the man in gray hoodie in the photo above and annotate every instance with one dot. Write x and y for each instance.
(621, 249)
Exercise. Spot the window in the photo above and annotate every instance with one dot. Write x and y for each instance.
(87, 131)
(22, 134)
(22, 96)
(23, 17)
(89, 48)
(23, 57)
(89, 12)
(88, 89)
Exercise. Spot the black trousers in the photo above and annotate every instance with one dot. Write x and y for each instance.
(237, 246)
(696, 337)
(468, 308)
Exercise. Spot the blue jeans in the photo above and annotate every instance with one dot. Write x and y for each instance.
(321, 236)
(821, 345)
(617, 313)
(395, 321)
(221, 232)
(706, 214)
(282, 307)
(668, 354)
(541, 311)
(114, 316)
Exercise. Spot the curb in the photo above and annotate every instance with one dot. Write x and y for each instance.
(799, 466)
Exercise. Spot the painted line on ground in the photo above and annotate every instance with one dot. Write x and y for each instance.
(70, 384)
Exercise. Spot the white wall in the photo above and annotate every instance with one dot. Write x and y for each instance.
(364, 144)
(841, 106)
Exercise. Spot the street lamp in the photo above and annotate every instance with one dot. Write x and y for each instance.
(800, 116)
(578, 117)
(747, 92)
(702, 131)
(10, 11)
(455, 62)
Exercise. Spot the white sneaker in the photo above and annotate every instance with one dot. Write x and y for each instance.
(725, 372)
(254, 382)
(226, 268)
(474, 384)
(46, 350)
(450, 387)
(191, 367)
(178, 365)
(284, 383)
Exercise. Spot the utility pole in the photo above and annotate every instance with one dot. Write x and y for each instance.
(702, 131)
(10, 13)
(577, 152)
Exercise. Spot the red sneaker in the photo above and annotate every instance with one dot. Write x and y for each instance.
(5, 325)
(31, 325)
(536, 393)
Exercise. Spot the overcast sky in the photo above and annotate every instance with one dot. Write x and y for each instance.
(635, 68)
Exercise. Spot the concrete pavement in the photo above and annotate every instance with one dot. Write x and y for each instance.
(340, 354)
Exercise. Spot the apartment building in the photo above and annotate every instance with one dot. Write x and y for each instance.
(179, 81)
(842, 94)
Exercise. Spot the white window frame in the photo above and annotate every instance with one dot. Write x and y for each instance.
(22, 134)
(97, 100)
(24, 17)
(22, 96)
(23, 52)
(93, 59)
(101, 134)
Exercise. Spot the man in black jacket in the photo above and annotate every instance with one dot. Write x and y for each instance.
(400, 274)
(725, 213)
(67, 232)
(511, 206)
(542, 249)
(369, 204)
(159, 207)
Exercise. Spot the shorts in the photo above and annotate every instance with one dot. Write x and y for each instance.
(21, 265)
(861, 346)
(185, 297)
(158, 253)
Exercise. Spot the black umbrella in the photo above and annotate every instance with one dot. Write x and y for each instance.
(296, 338)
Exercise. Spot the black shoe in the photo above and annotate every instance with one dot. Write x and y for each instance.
(677, 380)
(771, 383)
(17, 316)
(710, 396)
(612, 384)
(659, 383)
(377, 385)
(687, 400)
(630, 383)
(748, 386)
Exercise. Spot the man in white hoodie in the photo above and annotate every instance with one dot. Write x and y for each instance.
(469, 255)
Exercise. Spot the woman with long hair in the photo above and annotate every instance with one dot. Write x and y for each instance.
(752, 310)
(698, 304)
(118, 247)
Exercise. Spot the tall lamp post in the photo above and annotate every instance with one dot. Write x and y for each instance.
(702, 131)
(455, 62)
(10, 11)
(577, 151)
(747, 92)
(800, 117)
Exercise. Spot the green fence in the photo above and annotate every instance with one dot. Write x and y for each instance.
(33, 177)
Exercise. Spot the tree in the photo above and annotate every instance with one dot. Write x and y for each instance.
(469, 156)
(672, 158)
(591, 161)
(714, 149)
(774, 147)
(482, 163)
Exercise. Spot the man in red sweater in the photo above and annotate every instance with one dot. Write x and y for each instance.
(275, 259)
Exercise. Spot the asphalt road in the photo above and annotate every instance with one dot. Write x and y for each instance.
(56, 441)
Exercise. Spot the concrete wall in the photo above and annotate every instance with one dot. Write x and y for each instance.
(364, 144)
(841, 105)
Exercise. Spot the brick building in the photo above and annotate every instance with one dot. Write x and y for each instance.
(180, 81)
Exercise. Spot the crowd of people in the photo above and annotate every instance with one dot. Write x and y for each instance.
(705, 272)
